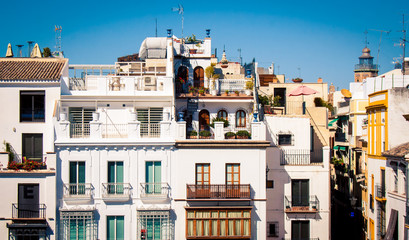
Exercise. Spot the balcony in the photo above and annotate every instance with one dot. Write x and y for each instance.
(154, 191)
(340, 137)
(28, 211)
(366, 66)
(218, 191)
(78, 191)
(300, 157)
(302, 205)
(116, 192)
(380, 193)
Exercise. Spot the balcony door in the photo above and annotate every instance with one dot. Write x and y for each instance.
(198, 77)
(28, 201)
(233, 180)
(300, 230)
(300, 192)
(203, 180)
(77, 178)
(115, 177)
(153, 177)
(204, 120)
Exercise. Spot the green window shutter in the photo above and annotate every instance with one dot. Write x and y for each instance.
(120, 228)
(149, 229)
(73, 172)
(110, 227)
(81, 172)
(81, 229)
(156, 227)
(149, 172)
(111, 172)
(157, 172)
(119, 172)
(73, 229)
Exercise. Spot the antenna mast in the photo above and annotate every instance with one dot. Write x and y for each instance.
(156, 27)
(403, 44)
(241, 60)
(380, 40)
(181, 11)
(58, 30)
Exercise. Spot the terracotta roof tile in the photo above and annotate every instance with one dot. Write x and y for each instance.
(399, 151)
(31, 68)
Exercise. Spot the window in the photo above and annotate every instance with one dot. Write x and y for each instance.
(285, 139)
(300, 192)
(272, 229)
(115, 177)
(220, 223)
(153, 177)
(78, 225)
(240, 118)
(32, 106)
(222, 114)
(28, 201)
(202, 174)
(232, 174)
(150, 119)
(300, 230)
(115, 227)
(154, 224)
(79, 121)
(270, 184)
(32, 146)
(77, 178)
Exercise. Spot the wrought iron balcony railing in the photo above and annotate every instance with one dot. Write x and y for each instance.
(218, 191)
(116, 190)
(28, 211)
(155, 190)
(380, 191)
(301, 204)
(78, 190)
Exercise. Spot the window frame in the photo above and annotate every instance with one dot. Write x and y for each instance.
(202, 173)
(285, 143)
(32, 94)
(218, 220)
(276, 231)
(221, 112)
(32, 150)
(232, 182)
(241, 121)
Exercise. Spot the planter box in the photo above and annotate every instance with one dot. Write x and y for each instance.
(202, 137)
(192, 137)
(242, 137)
(192, 51)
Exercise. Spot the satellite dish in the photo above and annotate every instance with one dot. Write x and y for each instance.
(346, 93)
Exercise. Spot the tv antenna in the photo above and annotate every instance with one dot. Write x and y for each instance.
(366, 38)
(241, 59)
(57, 30)
(380, 40)
(180, 11)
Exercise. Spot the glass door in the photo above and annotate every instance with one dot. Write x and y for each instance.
(153, 177)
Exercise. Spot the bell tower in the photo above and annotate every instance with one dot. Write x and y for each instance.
(365, 68)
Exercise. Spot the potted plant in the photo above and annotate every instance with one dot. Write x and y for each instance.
(226, 92)
(205, 134)
(243, 134)
(201, 92)
(192, 90)
(230, 135)
(218, 119)
(297, 80)
(249, 87)
(237, 93)
(192, 134)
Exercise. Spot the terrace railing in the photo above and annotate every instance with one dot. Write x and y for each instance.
(29, 211)
(218, 191)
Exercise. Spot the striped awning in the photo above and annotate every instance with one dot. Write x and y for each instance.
(331, 123)
(341, 148)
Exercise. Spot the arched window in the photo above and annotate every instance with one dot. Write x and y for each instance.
(240, 118)
(222, 114)
(198, 77)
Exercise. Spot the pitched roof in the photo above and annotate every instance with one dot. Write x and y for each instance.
(31, 68)
(399, 151)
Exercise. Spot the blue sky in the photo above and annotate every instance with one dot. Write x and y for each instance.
(310, 39)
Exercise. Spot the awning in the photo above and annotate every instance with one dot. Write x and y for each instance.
(391, 225)
(341, 148)
(331, 123)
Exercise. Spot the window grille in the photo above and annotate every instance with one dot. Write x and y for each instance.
(78, 225)
(155, 224)
(150, 119)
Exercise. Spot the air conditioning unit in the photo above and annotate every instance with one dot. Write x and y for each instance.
(150, 81)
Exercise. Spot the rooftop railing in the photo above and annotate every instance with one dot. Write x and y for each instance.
(367, 66)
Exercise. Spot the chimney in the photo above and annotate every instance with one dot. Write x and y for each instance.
(319, 80)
